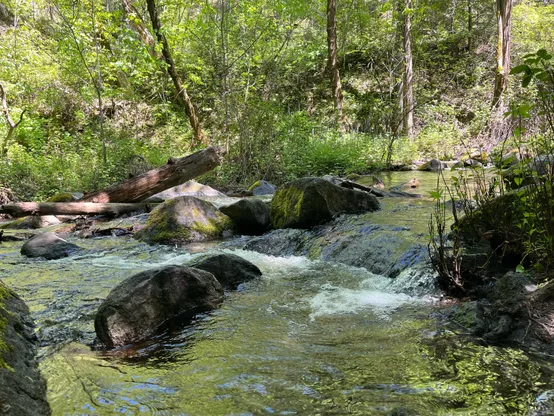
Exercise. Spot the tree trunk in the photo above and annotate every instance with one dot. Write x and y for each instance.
(11, 125)
(504, 21)
(333, 62)
(182, 93)
(469, 25)
(23, 209)
(138, 24)
(408, 93)
(149, 183)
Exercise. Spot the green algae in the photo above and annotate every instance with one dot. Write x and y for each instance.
(4, 293)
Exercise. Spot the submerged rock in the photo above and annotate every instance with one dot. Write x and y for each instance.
(183, 220)
(353, 240)
(22, 390)
(259, 188)
(229, 269)
(142, 304)
(49, 246)
(307, 202)
(249, 216)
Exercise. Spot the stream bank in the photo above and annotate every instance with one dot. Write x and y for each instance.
(320, 332)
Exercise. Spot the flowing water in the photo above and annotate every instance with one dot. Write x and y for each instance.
(308, 338)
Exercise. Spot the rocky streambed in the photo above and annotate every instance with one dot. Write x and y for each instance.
(343, 320)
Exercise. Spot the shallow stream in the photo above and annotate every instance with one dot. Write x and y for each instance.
(308, 338)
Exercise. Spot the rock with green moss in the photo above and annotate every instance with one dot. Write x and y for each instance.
(259, 188)
(62, 197)
(307, 202)
(249, 216)
(22, 390)
(184, 220)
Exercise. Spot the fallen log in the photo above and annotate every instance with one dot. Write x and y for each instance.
(22, 209)
(175, 172)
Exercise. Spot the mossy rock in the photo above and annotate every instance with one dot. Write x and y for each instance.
(62, 197)
(184, 220)
(307, 202)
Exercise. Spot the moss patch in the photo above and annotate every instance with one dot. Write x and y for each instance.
(15, 224)
(61, 197)
(183, 220)
(286, 206)
(4, 293)
(254, 185)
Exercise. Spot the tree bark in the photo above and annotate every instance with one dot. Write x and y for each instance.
(11, 125)
(182, 94)
(408, 92)
(333, 62)
(23, 209)
(139, 26)
(469, 25)
(504, 21)
(149, 183)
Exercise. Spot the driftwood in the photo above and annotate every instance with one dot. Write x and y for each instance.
(353, 185)
(23, 209)
(175, 172)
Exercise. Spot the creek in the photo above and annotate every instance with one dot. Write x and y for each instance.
(311, 337)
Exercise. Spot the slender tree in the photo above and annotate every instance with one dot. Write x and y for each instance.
(408, 89)
(182, 94)
(11, 125)
(333, 62)
(504, 21)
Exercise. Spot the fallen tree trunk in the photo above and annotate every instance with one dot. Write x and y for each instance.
(175, 172)
(23, 209)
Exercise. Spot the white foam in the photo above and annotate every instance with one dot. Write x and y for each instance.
(333, 300)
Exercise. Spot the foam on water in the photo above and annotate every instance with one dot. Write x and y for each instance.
(333, 300)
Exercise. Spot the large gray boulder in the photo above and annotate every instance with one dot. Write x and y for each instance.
(249, 216)
(307, 202)
(229, 269)
(183, 220)
(142, 304)
(49, 246)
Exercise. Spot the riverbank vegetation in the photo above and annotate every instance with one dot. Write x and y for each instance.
(97, 91)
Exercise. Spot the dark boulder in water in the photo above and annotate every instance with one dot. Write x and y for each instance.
(49, 246)
(249, 216)
(142, 304)
(229, 269)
